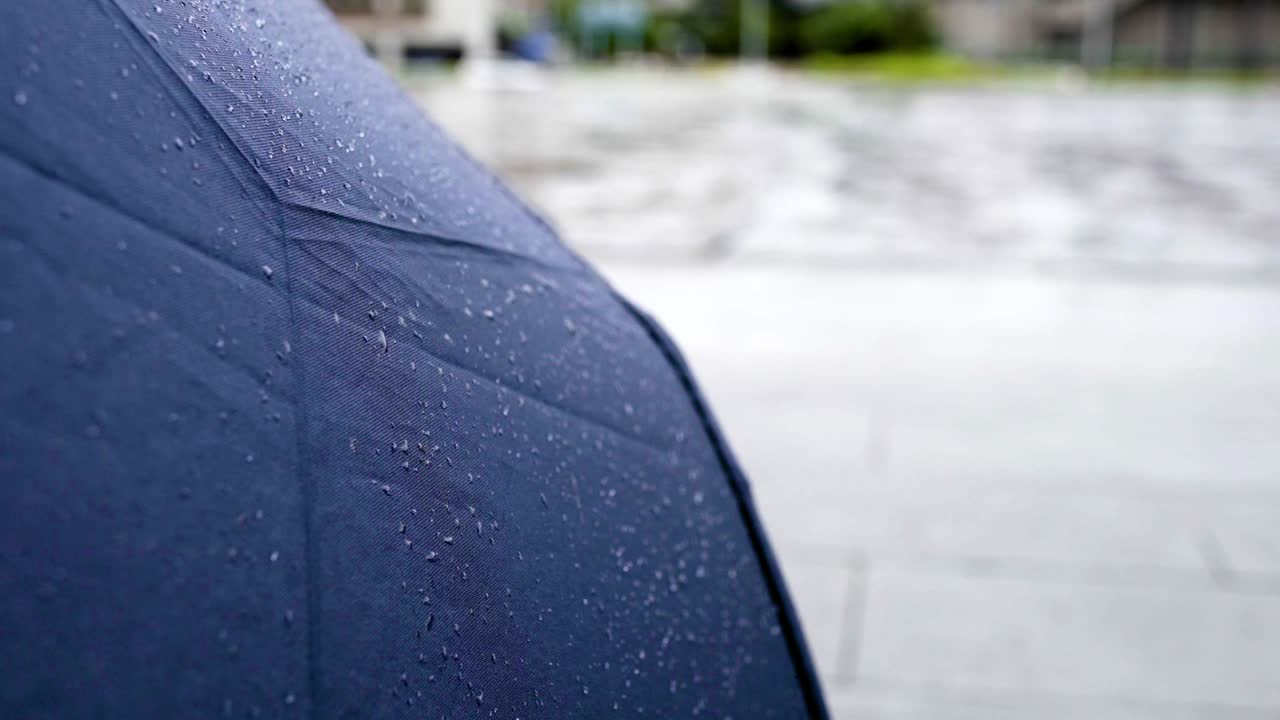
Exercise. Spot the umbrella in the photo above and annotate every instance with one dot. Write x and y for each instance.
(304, 414)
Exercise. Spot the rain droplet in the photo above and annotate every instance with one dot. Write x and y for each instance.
(266, 270)
(20, 98)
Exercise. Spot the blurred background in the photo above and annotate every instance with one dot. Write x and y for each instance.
(986, 294)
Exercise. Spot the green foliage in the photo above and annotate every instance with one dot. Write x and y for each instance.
(718, 24)
(908, 68)
(564, 19)
(852, 27)
(715, 26)
(842, 27)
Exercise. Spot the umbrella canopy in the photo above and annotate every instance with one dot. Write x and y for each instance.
(304, 414)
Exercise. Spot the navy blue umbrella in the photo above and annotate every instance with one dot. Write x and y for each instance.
(303, 414)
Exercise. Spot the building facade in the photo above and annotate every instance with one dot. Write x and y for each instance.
(1142, 33)
(394, 28)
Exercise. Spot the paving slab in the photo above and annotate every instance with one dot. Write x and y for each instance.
(1054, 498)
(887, 704)
(1198, 647)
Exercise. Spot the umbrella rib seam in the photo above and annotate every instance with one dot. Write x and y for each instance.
(304, 480)
(105, 204)
(266, 184)
(140, 40)
(306, 485)
(294, 297)
(483, 249)
(802, 662)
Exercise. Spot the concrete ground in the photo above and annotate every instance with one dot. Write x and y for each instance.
(1003, 364)
(1002, 495)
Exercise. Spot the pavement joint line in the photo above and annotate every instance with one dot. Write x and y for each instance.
(1066, 269)
(1215, 559)
(1121, 486)
(853, 620)
(1039, 572)
(1115, 487)
(1043, 698)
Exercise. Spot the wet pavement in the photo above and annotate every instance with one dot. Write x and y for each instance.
(1002, 363)
(649, 166)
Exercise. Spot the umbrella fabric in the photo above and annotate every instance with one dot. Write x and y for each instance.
(304, 414)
